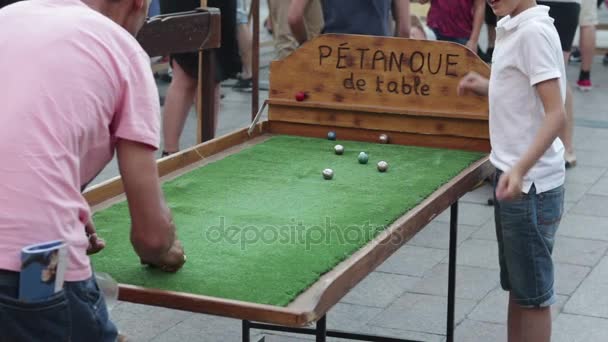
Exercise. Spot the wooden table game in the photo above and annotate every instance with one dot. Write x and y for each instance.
(360, 88)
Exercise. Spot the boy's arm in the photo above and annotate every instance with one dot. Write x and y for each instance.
(295, 18)
(549, 91)
(402, 16)
(479, 12)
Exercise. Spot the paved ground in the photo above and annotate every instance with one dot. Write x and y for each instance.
(406, 296)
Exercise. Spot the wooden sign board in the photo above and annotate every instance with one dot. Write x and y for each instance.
(378, 74)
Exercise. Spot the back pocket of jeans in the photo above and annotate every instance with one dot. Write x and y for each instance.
(46, 320)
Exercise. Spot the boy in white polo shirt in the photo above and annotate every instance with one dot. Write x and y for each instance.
(526, 92)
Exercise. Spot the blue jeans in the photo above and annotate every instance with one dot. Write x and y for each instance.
(461, 41)
(525, 230)
(242, 15)
(154, 8)
(77, 313)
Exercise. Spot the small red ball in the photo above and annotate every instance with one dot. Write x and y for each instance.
(300, 96)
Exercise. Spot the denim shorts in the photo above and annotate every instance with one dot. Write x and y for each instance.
(242, 14)
(525, 230)
(77, 313)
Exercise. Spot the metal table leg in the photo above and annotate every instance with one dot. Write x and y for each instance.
(452, 271)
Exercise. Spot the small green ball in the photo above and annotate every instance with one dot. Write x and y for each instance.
(363, 158)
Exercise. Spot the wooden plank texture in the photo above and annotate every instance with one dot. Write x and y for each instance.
(379, 121)
(400, 138)
(380, 74)
(181, 32)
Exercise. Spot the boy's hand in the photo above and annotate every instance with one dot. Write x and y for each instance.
(475, 83)
(509, 186)
(96, 243)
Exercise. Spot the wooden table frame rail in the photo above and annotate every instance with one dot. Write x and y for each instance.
(321, 332)
(312, 305)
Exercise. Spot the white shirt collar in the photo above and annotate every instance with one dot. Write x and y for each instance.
(509, 23)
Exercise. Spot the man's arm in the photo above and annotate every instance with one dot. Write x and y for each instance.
(549, 91)
(295, 18)
(479, 12)
(401, 13)
(152, 229)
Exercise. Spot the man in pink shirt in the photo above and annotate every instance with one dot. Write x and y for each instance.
(79, 89)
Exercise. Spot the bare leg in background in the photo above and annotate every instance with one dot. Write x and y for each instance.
(178, 102)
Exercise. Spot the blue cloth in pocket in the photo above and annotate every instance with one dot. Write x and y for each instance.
(77, 313)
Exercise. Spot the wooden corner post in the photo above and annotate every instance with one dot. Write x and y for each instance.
(205, 95)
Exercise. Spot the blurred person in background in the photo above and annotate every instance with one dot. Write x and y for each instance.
(354, 17)
(457, 21)
(244, 38)
(312, 23)
(181, 94)
(565, 14)
(588, 20)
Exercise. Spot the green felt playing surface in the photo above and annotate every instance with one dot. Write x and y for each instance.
(262, 225)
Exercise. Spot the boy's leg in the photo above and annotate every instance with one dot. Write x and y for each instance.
(528, 324)
(513, 321)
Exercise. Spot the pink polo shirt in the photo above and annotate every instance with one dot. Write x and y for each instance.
(74, 82)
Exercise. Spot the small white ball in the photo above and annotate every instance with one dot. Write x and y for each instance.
(328, 174)
(339, 149)
(382, 166)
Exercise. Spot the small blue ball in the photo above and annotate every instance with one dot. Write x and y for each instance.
(331, 135)
(363, 158)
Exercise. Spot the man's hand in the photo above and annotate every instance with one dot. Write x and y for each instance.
(172, 260)
(475, 83)
(96, 244)
(509, 186)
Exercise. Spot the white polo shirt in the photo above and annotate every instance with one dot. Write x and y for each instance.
(528, 51)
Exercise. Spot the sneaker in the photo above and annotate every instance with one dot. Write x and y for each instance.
(575, 56)
(570, 160)
(268, 26)
(584, 85)
(245, 85)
